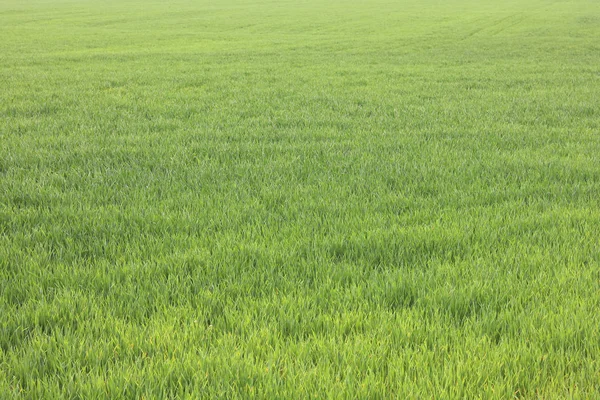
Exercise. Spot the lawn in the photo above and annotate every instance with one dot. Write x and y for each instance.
(294, 199)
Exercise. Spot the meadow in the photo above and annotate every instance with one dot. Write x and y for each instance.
(299, 199)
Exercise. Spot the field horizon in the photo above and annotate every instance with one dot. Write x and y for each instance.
(294, 199)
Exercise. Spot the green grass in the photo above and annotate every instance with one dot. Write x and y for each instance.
(293, 199)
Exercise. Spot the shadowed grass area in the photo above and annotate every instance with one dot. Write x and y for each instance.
(299, 199)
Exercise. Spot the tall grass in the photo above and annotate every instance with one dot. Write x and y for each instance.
(299, 199)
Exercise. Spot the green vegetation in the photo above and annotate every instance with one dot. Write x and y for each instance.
(293, 199)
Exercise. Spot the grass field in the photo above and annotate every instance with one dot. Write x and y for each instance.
(294, 199)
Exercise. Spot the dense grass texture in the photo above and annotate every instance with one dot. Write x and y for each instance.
(294, 199)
